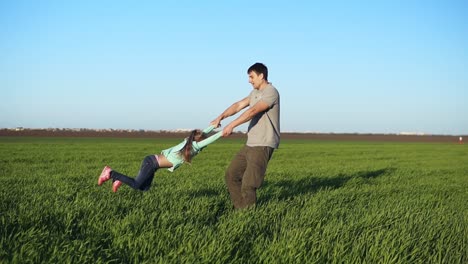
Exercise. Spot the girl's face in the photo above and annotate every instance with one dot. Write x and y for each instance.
(198, 136)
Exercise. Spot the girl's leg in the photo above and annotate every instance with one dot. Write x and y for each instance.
(145, 176)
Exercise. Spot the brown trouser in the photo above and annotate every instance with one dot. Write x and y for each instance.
(245, 174)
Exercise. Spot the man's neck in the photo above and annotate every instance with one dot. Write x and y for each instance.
(263, 86)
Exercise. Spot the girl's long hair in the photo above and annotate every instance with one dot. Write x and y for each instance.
(186, 151)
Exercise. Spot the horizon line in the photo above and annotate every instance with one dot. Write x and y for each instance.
(180, 130)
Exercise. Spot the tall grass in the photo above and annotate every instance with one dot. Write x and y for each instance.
(322, 202)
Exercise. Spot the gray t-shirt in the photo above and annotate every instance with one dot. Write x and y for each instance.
(264, 128)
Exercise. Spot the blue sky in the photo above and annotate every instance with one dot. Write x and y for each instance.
(340, 66)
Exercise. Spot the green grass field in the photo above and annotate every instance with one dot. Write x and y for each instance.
(322, 202)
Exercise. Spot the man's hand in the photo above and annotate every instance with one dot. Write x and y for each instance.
(216, 123)
(227, 131)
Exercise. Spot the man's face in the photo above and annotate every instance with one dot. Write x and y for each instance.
(255, 79)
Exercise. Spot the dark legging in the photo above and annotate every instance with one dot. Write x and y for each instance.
(145, 175)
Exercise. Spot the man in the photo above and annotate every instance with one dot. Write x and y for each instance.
(247, 170)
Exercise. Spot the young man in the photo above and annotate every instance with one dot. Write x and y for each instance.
(247, 170)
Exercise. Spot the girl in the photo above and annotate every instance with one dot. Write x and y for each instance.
(170, 158)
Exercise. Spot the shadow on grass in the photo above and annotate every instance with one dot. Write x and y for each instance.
(287, 188)
(206, 192)
(284, 189)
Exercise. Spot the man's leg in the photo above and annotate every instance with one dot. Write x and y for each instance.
(257, 161)
(233, 177)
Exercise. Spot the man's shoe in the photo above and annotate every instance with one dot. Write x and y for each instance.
(105, 175)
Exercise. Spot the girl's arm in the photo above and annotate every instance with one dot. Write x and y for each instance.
(208, 129)
(209, 140)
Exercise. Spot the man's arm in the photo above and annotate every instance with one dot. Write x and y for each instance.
(232, 110)
(259, 107)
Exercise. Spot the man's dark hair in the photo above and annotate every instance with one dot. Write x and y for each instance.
(259, 68)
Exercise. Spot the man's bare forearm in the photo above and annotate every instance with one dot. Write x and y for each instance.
(232, 110)
(243, 118)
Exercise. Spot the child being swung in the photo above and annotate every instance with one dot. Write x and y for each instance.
(170, 158)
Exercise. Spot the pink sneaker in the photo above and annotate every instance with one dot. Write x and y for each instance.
(116, 185)
(105, 175)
